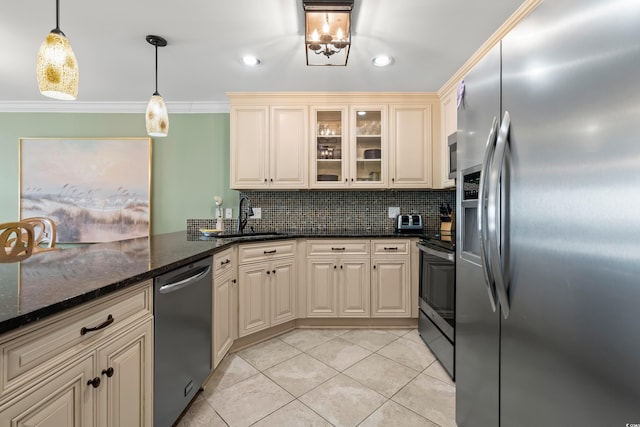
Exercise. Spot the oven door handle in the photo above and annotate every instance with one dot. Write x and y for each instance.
(443, 255)
(482, 215)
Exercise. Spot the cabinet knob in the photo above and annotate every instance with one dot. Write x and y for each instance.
(351, 179)
(335, 266)
(346, 180)
(340, 267)
(374, 267)
(271, 179)
(265, 180)
(108, 372)
(273, 271)
(393, 180)
(95, 383)
(268, 272)
(233, 280)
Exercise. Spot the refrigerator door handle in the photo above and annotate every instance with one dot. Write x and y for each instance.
(494, 219)
(482, 217)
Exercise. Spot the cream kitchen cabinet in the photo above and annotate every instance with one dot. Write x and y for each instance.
(449, 125)
(410, 142)
(267, 285)
(390, 278)
(269, 146)
(92, 365)
(225, 303)
(338, 278)
(349, 146)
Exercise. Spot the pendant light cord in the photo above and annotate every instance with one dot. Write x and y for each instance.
(156, 92)
(58, 15)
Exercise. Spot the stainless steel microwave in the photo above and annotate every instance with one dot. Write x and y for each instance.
(453, 160)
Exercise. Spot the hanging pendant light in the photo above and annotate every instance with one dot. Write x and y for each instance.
(157, 117)
(57, 68)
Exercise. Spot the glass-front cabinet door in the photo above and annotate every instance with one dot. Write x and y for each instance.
(329, 147)
(368, 154)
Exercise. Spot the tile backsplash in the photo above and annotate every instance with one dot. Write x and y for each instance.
(335, 210)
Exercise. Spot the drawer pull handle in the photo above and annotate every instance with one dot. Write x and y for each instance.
(103, 325)
(338, 249)
(392, 248)
(270, 252)
(94, 382)
(225, 262)
(108, 372)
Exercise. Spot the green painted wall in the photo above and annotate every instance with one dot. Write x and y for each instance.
(189, 166)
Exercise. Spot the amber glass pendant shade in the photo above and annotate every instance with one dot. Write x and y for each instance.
(57, 68)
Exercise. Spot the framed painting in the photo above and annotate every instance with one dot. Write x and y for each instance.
(95, 189)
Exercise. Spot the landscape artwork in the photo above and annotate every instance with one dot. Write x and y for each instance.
(95, 189)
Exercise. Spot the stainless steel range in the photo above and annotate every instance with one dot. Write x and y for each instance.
(437, 292)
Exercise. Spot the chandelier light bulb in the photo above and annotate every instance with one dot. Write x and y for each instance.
(315, 36)
(339, 34)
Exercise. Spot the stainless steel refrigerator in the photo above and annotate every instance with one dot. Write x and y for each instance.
(548, 213)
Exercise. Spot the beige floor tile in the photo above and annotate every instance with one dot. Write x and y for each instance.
(393, 415)
(371, 339)
(431, 398)
(268, 353)
(413, 335)
(437, 371)
(343, 401)
(306, 339)
(249, 401)
(410, 353)
(200, 414)
(339, 353)
(295, 414)
(381, 374)
(300, 374)
(230, 371)
(399, 332)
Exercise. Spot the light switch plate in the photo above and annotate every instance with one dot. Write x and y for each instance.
(257, 213)
(394, 211)
(228, 213)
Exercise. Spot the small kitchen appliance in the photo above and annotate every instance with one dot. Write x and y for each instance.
(409, 223)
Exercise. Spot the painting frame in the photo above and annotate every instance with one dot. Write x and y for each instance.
(96, 189)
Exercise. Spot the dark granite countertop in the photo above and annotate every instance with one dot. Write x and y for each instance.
(50, 282)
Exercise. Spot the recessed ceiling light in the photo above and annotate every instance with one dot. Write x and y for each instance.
(250, 61)
(381, 60)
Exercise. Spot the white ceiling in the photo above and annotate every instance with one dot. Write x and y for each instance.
(429, 40)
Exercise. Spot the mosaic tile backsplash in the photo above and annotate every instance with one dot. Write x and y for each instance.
(292, 211)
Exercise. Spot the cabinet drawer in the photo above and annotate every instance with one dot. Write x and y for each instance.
(222, 261)
(36, 350)
(390, 247)
(338, 247)
(266, 251)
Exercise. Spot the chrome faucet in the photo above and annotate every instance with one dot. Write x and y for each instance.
(242, 219)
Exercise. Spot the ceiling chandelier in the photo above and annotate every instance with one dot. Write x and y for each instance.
(327, 31)
(56, 67)
(157, 116)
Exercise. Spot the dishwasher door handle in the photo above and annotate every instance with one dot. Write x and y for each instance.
(172, 287)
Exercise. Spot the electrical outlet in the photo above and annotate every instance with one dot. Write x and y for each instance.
(394, 211)
(257, 213)
(228, 213)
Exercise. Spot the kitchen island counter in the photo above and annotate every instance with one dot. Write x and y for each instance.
(53, 281)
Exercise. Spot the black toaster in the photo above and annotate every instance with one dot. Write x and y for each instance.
(409, 223)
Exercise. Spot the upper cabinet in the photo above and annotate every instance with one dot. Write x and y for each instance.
(269, 147)
(410, 154)
(348, 146)
(352, 140)
(449, 125)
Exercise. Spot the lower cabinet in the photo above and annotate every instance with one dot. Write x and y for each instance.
(390, 278)
(225, 306)
(266, 286)
(338, 287)
(125, 374)
(63, 400)
(56, 373)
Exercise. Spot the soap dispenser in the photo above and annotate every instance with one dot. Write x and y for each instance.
(219, 223)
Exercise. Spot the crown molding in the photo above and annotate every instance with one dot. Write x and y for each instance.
(108, 107)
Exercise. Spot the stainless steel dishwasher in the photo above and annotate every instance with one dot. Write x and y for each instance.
(182, 338)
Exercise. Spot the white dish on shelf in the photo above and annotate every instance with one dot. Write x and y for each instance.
(210, 232)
